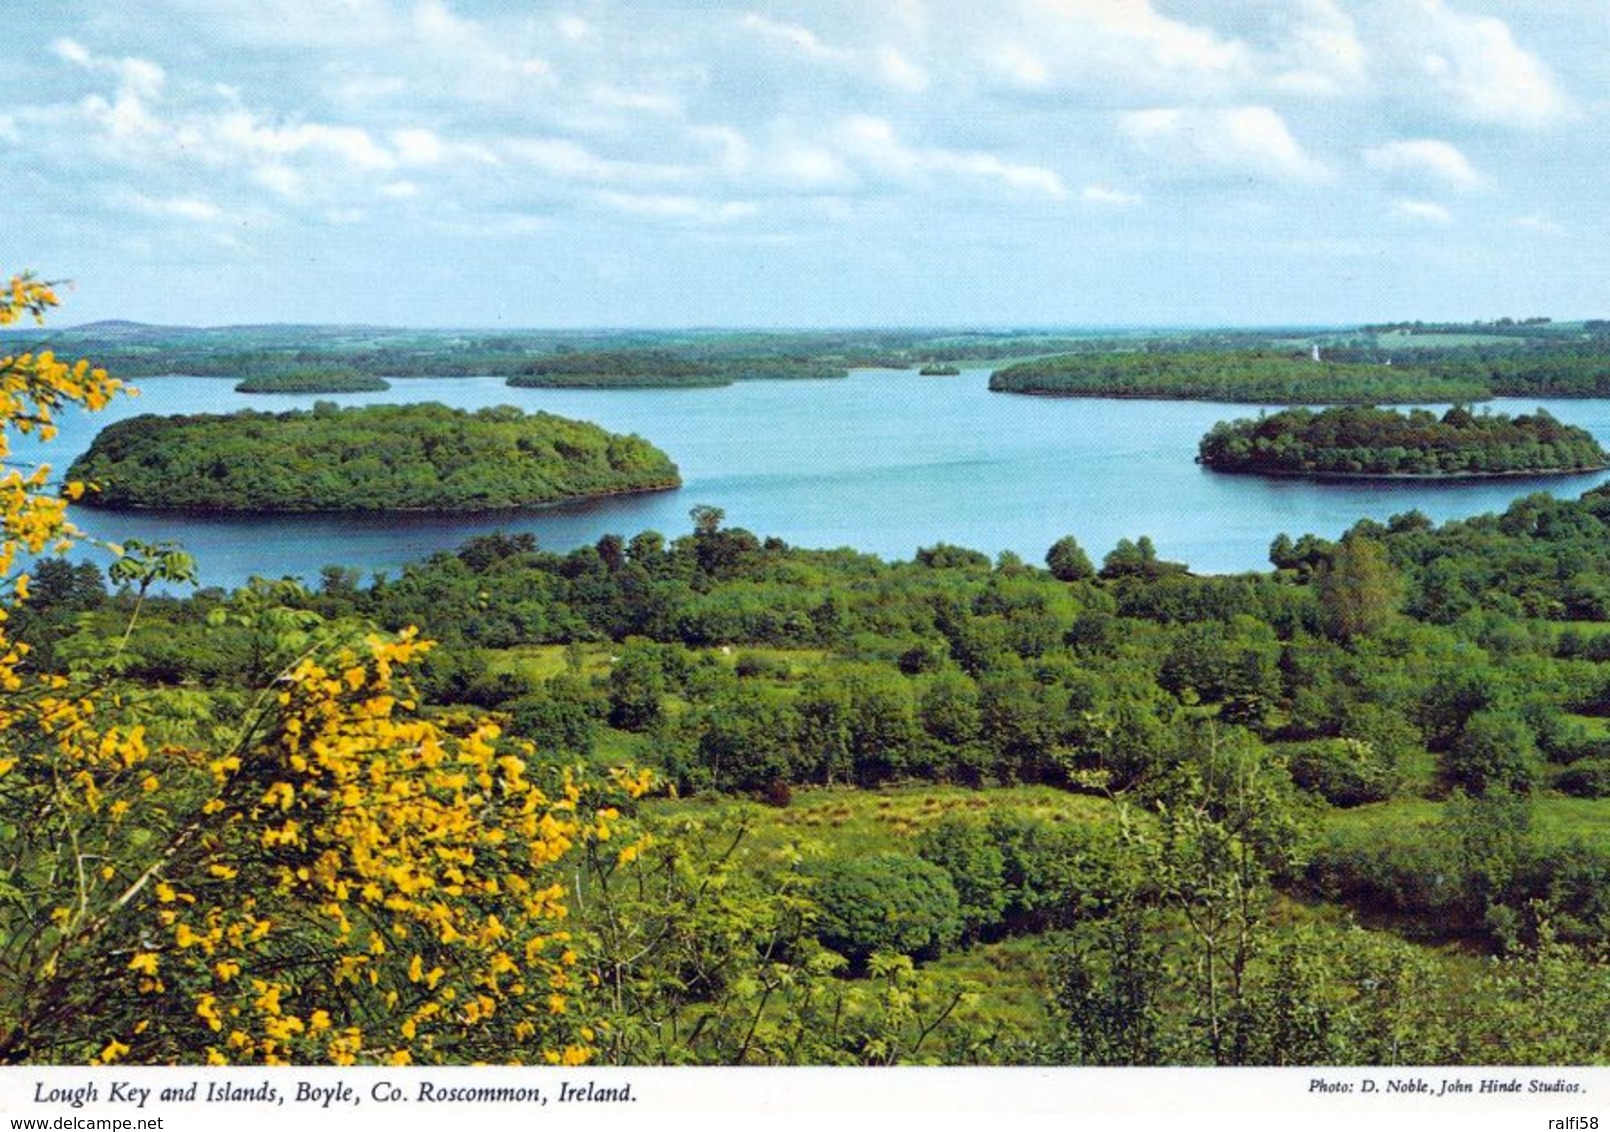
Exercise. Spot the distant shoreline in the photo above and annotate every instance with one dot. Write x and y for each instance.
(445, 512)
(1523, 473)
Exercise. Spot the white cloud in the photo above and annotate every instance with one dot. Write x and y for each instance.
(126, 122)
(138, 77)
(1322, 51)
(1422, 210)
(1101, 194)
(183, 208)
(1476, 59)
(785, 162)
(1243, 139)
(1425, 157)
(670, 207)
(873, 142)
(574, 28)
(800, 39)
(806, 166)
(647, 102)
(888, 64)
(353, 146)
(279, 179)
(363, 24)
(570, 161)
(365, 90)
(71, 50)
(1031, 178)
(418, 147)
(421, 147)
(900, 72)
(1167, 43)
(912, 14)
(1096, 42)
(1020, 66)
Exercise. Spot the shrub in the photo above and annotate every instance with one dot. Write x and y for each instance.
(1345, 772)
(1589, 778)
(890, 902)
(976, 866)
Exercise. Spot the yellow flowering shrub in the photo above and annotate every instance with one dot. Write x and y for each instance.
(348, 882)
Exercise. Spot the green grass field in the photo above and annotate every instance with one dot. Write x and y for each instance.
(850, 821)
(1555, 819)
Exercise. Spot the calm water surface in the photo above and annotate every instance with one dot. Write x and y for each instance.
(884, 462)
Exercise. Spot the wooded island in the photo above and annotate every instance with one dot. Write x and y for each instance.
(313, 381)
(1252, 376)
(376, 458)
(661, 369)
(1364, 441)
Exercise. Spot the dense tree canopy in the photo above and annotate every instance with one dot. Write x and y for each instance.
(1251, 376)
(377, 458)
(1379, 442)
(633, 369)
(313, 381)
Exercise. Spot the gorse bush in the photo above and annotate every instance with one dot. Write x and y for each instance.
(342, 881)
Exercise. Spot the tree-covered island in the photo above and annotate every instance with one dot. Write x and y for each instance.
(1366, 441)
(1253, 377)
(313, 381)
(376, 458)
(661, 369)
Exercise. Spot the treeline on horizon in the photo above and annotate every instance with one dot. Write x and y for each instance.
(137, 351)
(421, 457)
(1442, 362)
(1366, 441)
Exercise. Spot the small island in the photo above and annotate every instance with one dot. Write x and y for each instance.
(938, 369)
(661, 369)
(1244, 376)
(379, 458)
(314, 381)
(1353, 442)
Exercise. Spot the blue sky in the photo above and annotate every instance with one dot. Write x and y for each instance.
(956, 162)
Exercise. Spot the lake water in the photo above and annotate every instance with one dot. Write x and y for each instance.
(885, 462)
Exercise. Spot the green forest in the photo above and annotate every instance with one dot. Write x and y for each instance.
(966, 810)
(1367, 441)
(423, 457)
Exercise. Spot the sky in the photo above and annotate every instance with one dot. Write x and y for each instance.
(968, 163)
